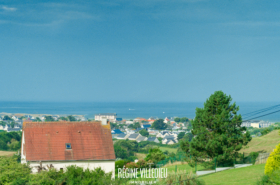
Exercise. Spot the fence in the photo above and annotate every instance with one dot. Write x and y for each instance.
(178, 157)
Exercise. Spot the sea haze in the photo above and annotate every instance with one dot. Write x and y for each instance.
(130, 110)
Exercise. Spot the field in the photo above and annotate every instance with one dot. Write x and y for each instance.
(174, 150)
(265, 143)
(239, 176)
(140, 155)
(6, 153)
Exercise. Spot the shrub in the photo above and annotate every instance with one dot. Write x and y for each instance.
(180, 178)
(142, 163)
(254, 156)
(132, 158)
(132, 165)
(271, 179)
(273, 161)
(120, 164)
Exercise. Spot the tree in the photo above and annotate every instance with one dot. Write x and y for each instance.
(49, 118)
(71, 118)
(63, 118)
(159, 124)
(125, 148)
(155, 155)
(134, 125)
(177, 120)
(7, 118)
(217, 130)
(184, 119)
(37, 119)
(144, 132)
(181, 135)
(12, 124)
(273, 162)
(187, 137)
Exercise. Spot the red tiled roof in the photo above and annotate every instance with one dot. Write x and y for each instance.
(45, 141)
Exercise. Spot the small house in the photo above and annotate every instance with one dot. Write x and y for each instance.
(63, 143)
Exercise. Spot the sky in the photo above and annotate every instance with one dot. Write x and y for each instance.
(139, 50)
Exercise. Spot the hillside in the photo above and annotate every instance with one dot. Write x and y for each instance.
(265, 143)
(239, 176)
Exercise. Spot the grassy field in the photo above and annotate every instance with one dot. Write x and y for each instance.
(239, 176)
(265, 143)
(168, 149)
(6, 153)
(140, 155)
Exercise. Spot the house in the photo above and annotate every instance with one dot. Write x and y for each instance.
(15, 118)
(153, 139)
(134, 137)
(138, 129)
(153, 132)
(118, 119)
(122, 136)
(169, 142)
(141, 138)
(10, 129)
(129, 122)
(151, 119)
(63, 143)
(42, 118)
(116, 131)
(169, 138)
(55, 117)
(139, 120)
(109, 116)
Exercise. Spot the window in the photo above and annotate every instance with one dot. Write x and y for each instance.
(68, 146)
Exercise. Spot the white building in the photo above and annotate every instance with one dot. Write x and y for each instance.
(109, 116)
(62, 143)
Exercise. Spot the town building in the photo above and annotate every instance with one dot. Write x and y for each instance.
(61, 144)
(141, 138)
(109, 116)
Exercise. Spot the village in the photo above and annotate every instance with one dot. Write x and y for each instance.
(120, 128)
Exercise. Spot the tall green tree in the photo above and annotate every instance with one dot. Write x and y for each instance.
(7, 118)
(159, 124)
(144, 132)
(155, 155)
(134, 125)
(37, 119)
(71, 118)
(184, 119)
(217, 130)
(177, 120)
(181, 135)
(49, 118)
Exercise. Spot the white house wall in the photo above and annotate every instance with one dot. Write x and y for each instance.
(107, 166)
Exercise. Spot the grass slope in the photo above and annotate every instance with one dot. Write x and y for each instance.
(174, 150)
(239, 176)
(265, 143)
(6, 153)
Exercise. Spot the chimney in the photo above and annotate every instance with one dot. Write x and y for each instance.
(104, 121)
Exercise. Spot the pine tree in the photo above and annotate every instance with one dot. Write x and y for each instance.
(217, 130)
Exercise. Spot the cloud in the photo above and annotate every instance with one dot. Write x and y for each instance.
(11, 9)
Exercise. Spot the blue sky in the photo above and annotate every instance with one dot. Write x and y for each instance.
(139, 50)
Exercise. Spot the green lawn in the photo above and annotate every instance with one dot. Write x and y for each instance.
(239, 176)
(264, 143)
(168, 149)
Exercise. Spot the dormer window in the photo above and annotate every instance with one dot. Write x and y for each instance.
(68, 145)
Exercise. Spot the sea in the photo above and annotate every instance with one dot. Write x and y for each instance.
(131, 110)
